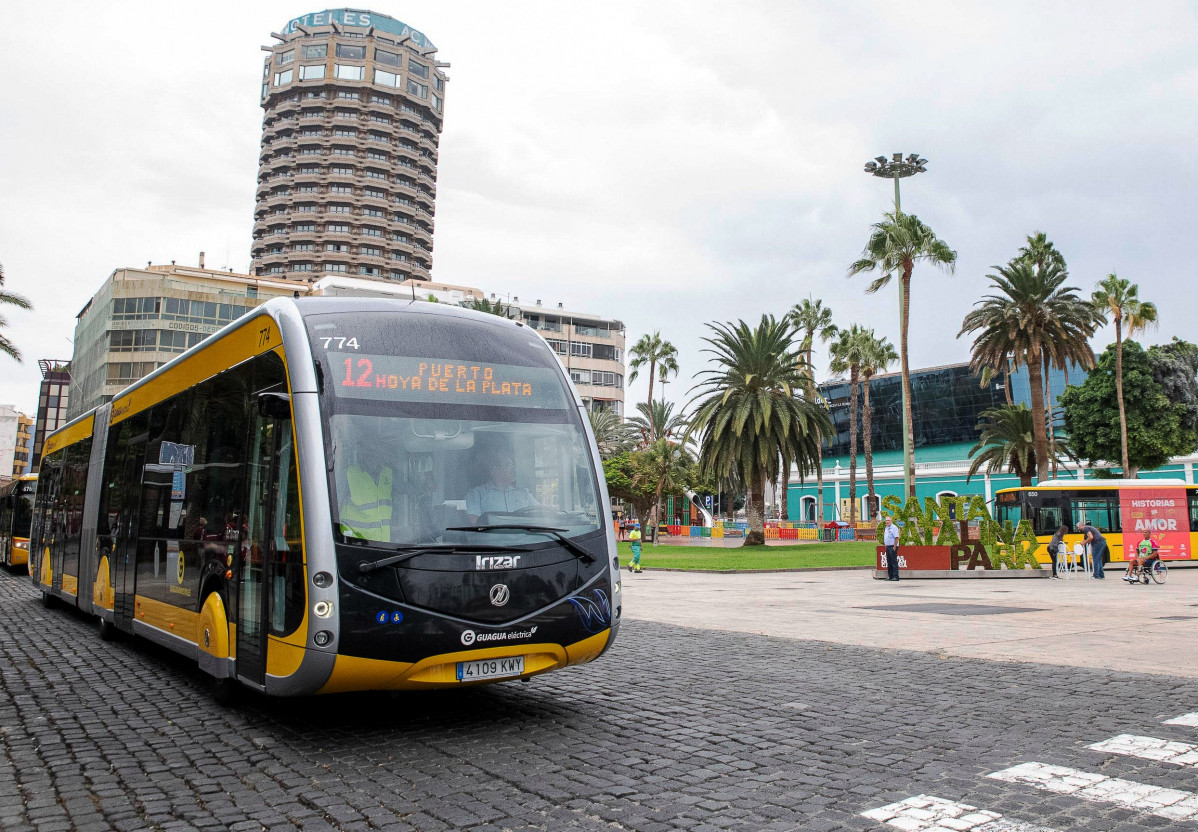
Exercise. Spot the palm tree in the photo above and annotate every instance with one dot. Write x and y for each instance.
(612, 434)
(652, 350)
(657, 421)
(894, 247)
(876, 357)
(12, 299)
(490, 308)
(846, 353)
(751, 411)
(665, 466)
(1032, 313)
(814, 320)
(1007, 439)
(1040, 252)
(1120, 298)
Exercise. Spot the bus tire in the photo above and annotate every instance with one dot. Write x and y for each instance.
(108, 631)
(223, 691)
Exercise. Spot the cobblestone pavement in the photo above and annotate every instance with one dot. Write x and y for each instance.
(675, 728)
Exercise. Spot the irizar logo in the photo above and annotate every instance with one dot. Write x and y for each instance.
(496, 561)
(470, 637)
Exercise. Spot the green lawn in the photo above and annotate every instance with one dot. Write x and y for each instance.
(802, 556)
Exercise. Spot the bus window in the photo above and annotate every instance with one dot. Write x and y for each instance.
(1049, 517)
(1096, 512)
(1009, 513)
(1193, 498)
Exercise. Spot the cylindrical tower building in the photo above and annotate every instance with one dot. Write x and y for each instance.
(347, 176)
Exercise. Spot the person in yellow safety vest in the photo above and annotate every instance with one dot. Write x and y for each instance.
(366, 514)
(635, 537)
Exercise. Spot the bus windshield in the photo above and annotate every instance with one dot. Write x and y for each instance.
(22, 514)
(438, 430)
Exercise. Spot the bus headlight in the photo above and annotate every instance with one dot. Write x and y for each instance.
(617, 586)
(323, 580)
(322, 609)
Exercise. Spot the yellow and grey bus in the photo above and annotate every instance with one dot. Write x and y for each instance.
(16, 514)
(1122, 510)
(340, 494)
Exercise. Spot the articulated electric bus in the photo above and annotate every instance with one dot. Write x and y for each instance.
(16, 514)
(340, 494)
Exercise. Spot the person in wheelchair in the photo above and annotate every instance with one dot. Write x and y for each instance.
(1146, 552)
(499, 494)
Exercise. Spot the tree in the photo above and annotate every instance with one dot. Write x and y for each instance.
(1007, 439)
(750, 411)
(1157, 427)
(814, 320)
(10, 299)
(1120, 298)
(652, 350)
(846, 353)
(1175, 369)
(1031, 314)
(665, 465)
(491, 308)
(894, 247)
(612, 434)
(877, 356)
(657, 421)
(625, 483)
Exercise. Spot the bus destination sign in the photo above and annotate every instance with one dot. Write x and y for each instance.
(417, 379)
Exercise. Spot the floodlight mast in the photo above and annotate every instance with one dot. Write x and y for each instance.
(896, 168)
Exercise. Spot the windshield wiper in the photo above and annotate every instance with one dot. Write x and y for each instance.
(576, 550)
(371, 565)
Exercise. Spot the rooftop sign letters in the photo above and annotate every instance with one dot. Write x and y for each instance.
(360, 19)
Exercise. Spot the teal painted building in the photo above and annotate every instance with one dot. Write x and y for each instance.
(947, 403)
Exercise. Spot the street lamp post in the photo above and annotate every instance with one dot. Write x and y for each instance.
(897, 168)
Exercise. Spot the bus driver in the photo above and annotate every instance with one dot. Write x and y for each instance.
(500, 493)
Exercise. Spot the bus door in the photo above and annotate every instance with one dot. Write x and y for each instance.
(258, 549)
(130, 470)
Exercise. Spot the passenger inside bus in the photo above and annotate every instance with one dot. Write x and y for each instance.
(366, 503)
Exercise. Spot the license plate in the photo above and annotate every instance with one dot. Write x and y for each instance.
(490, 668)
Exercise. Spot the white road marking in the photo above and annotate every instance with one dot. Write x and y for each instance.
(1173, 804)
(925, 813)
(1185, 719)
(1150, 748)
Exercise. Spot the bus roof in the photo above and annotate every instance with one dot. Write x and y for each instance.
(1107, 484)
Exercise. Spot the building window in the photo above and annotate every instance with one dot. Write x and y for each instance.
(380, 99)
(336, 267)
(375, 193)
(308, 73)
(302, 267)
(135, 309)
(304, 226)
(336, 247)
(285, 57)
(370, 251)
(372, 232)
(369, 270)
(399, 255)
(347, 132)
(439, 84)
(344, 151)
(350, 73)
(353, 52)
(386, 79)
(341, 189)
(339, 170)
(265, 90)
(382, 56)
(340, 209)
(372, 212)
(336, 228)
(301, 247)
(316, 50)
(580, 350)
(375, 174)
(419, 70)
(283, 77)
(418, 90)
(436, 103)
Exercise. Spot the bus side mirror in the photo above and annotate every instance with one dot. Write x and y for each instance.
(274, 405)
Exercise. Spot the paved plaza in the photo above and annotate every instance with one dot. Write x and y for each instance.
(741, 702)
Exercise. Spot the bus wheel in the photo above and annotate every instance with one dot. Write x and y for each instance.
(108, 631)
(223, 691)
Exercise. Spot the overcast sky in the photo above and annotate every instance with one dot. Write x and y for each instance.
(664, 163)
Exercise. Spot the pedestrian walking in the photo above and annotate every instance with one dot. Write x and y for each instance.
(890, 538)
(1097, 543)
(635, 537)
(1056, 547)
